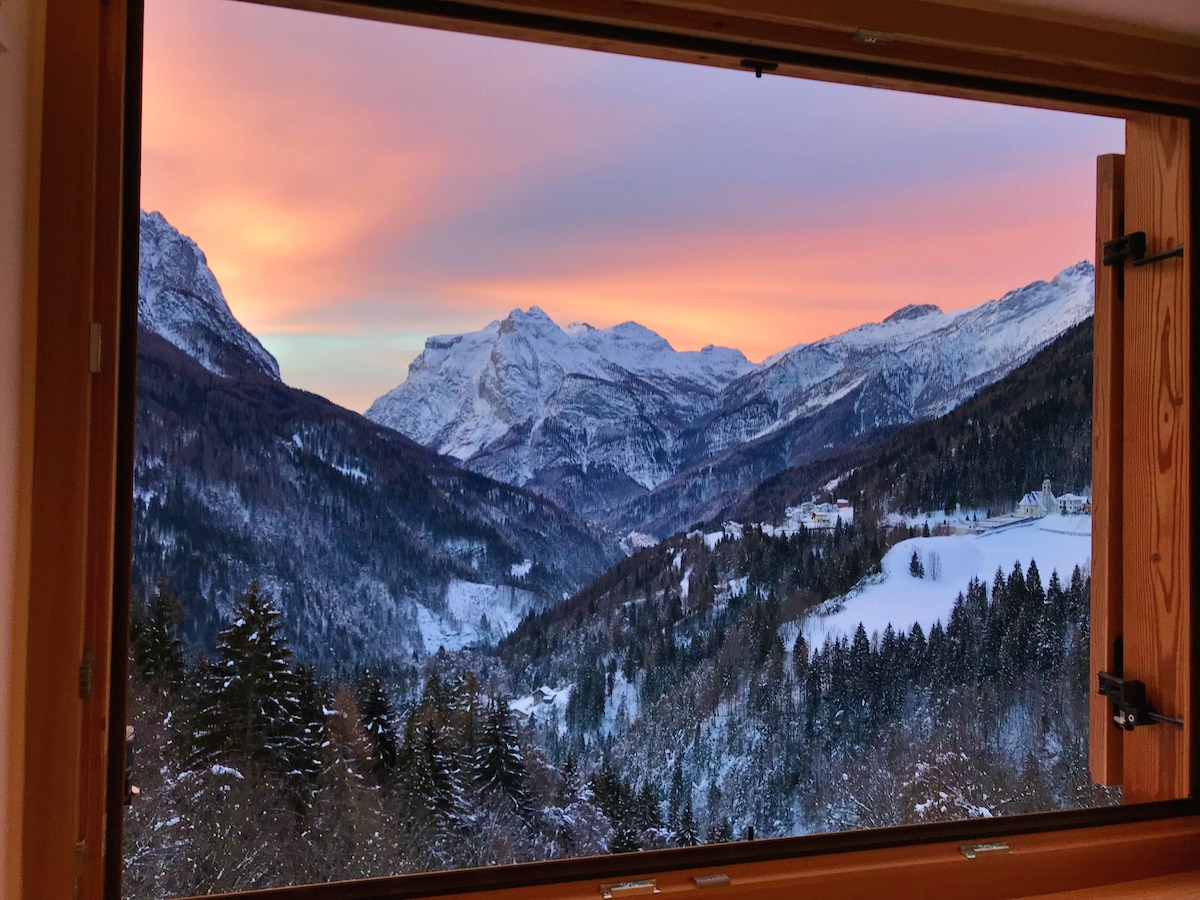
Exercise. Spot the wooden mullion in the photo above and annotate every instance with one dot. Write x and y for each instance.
(98, 620)
(1104, 742)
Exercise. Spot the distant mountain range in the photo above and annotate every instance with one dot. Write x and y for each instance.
(531, 451)
(617, 427)
(376, 548)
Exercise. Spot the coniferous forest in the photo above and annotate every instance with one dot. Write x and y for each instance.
(664, 698)
(254, 770)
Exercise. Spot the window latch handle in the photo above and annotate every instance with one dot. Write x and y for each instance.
(1128, 699)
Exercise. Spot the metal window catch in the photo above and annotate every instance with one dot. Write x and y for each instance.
(617, 889)
(971, 851)
(1128, 698)
(759, 66)
(1133, 246)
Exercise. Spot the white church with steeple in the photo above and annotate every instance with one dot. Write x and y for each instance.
(1036, 504)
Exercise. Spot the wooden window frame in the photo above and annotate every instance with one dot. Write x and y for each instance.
(80, 534)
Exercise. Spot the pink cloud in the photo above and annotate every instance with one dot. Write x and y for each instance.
(349, 178)
(764, 290)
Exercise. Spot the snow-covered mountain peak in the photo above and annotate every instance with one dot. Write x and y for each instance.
(1082, 270)
(179, 300)
(523, 379)
(533, 319)
(913, 311)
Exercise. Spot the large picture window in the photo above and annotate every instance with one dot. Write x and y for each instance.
(636, 458)
(263, 725)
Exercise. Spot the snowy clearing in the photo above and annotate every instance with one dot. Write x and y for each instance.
(467, 604)
(1056, 542)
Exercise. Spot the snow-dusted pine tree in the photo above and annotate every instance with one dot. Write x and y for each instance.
(499, 763)
(154, 638)
(249, 706)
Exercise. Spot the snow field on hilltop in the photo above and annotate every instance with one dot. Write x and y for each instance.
(1056, 543)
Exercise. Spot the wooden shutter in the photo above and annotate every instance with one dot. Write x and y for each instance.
(1142, 541)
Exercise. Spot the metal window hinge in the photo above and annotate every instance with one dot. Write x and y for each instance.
(87, 667)
(95, 349)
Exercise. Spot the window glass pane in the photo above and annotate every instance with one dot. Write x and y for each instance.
(544, 453)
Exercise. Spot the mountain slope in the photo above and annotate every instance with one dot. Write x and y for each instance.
(692, 663)
(1034, 423)
(179, 300)
(376, 548)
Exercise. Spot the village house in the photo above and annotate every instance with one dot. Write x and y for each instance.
(1073, 504)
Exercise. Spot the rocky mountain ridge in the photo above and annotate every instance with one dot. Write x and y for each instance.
(616, 426)
(179, 300)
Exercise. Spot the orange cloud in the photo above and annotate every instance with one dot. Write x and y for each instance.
(289, 176)
(766, 290)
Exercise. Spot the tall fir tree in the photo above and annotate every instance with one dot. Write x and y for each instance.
(499, 763)
(250, 708)
(687, 834)
(378, 718)
(154, 638)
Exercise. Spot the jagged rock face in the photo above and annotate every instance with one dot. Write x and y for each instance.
(180, 301)
(617, 426)
(574, 413)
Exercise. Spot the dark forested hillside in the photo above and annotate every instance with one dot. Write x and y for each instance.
(689, 673)
(348, 523)
(1033, 424)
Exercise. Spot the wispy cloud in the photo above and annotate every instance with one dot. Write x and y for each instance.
(354, 181)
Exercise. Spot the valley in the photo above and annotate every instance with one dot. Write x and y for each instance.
(707, 568)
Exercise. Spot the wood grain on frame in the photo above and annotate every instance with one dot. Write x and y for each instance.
(58, 539)
(1104, 740)
(1156, 584)
(71, 216)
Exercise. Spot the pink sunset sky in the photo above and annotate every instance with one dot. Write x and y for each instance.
(358, 187)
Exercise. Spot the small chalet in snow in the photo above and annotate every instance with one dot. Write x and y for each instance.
(1073, 504)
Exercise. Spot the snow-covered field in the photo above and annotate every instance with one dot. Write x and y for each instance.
(896, 597)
